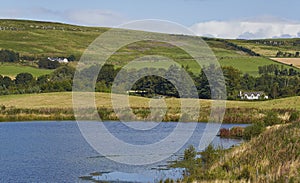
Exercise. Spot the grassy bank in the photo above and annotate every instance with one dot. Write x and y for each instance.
(273, 156)
(59, 106)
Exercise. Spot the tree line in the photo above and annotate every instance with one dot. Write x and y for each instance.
(42, 62)
(275, 81)
(288, 54)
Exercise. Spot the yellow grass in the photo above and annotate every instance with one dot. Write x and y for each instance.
(294, 61)
(64, 100)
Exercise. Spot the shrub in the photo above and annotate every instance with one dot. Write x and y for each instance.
(294, 116)
(271, 119)
(209, 156)
(253, 130)
(225, 133)
(190, 153)
(237, 131)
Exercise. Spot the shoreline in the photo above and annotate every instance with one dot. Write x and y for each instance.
(113, 121)
(232, 115)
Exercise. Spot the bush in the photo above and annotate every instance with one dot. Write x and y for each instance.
(294, 116)
(271, 119)
(254, 130)
(47, 64)
(209, 156)
(190, 153)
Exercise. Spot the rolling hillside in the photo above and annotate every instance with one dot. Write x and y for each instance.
(43, 39)
(11, 70)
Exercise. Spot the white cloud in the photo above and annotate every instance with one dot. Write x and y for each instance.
(94, 17)
(266, 27)
(89, 17)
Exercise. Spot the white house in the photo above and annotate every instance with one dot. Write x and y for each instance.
(60, 60)
(252, 95)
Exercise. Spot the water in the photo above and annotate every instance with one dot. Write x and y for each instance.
(57, 152)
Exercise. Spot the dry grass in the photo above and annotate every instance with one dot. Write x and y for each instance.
(294, 61)
(64, 100)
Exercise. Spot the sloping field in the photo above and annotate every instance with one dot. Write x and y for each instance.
(289, 61)
(11, 70)
(64, 100)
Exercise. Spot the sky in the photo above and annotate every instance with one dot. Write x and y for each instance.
(234, 19)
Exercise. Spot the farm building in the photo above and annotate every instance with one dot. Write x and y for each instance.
(60, 60)
(252, 95)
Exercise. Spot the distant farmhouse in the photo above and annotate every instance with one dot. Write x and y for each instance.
(60, 60)
(252, 95)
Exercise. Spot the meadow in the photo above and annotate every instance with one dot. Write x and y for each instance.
(290, 61)
(59, 105)
(46, 39)
(12, 69)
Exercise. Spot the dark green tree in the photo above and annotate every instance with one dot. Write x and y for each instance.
(24, 79)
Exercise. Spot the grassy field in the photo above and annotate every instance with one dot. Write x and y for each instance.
(59, 106)
(64, 100)
(248, 64)
(12, 70)
(43, 39)
(294, 61)
(270, 47)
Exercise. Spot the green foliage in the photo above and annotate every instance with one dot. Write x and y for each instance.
(253, 130)
(12, 69)
(190, 153)
(271, 118)
(8, 56)
(47, 64)
(294, 116)
(24, 79)
(271, 157)
(71, 58)
(245, 174)
(209, 156)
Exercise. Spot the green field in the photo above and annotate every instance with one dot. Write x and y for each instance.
(43, 39)
(248, 64)
(12, 70)
(268, 48)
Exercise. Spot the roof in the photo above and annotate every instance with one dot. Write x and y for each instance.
(254, 93)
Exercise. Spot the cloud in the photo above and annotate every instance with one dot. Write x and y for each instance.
(89, 17)
(257, 28)
(94, 17)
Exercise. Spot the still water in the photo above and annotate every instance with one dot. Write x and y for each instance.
(57, 152)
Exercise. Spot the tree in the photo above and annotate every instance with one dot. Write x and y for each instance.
(209, 156)
(190, 153)
(107, 74)
(233, 80)
(247, 82)
(63, 73)
(71, 58)
(47, 64)
(24, 79)
(9, 56)
(42, 79)
(7, 82)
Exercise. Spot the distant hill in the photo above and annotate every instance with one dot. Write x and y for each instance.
(42, 39)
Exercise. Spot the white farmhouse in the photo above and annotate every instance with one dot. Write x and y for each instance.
(60, 60)
(252, 95)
